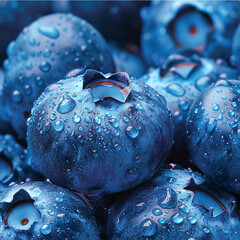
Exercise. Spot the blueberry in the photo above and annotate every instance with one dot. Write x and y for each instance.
(15, 15)
(116, 20)
(128, 62)
(14, 163)
(99, 133)
(41, 210)
(180, 80)
(5, 127)
(235, 58)
(205, 26)
(53, 47)
(176, 204)
(213, 133)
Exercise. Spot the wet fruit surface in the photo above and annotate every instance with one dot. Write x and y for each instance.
(213, 133)
(176, 204)
(96, 124)
(51, 48)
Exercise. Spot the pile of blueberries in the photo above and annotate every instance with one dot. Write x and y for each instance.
(120, 120)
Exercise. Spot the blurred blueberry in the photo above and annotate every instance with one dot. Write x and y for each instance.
(14, 16)
(205, 26)
(116, 20)
(14, 163)
(235, 58)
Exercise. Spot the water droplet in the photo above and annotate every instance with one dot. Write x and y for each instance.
(233, 124)
(88, 119)
(175, 89)
(215, 107)
(66, 105)
(52, 117)
(97, 120)
(126, 119)
(45, 229)
(157, 211)
(184, 106)
(234, 104)
(132, 132)
(184, 209)
(47, 127)
(59, 199)
(49, 31)
(206, 230)
(149, 227)
(51, 212)
(114, 122)
(192, 220)
(58, 126)
(177, 218)
(139, 107)
(45, 66)
(17, 96)
(161, 220)
(167, 198)
(76, 119)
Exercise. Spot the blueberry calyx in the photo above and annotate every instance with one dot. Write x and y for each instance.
(206, 196)
(102, 86)
(180, 65)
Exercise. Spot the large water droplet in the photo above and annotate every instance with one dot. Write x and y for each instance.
(58, 126)
(76, 118)
(49, 31)
(157, 211)
(88, 119)
(206, 230)
(184, 209)
(45, 229)
(167, 198)
(114, 122)
(177, 218)
(175, 89)
(192, 220)
(66, 105)
(45, 66)
(184, 106)
(149, 227)
(215, 107)
(97, 120)
(132, 132)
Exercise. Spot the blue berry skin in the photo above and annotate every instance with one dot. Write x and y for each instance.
(180, 80)
(235, 58)
(213, 133)
(205, 26)
(5, 127)
(51, 48)
(128, 62)
(176, 204)
(43, 211)
(116, 20)
(14, 16)
(14, 163)
(83, 135)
